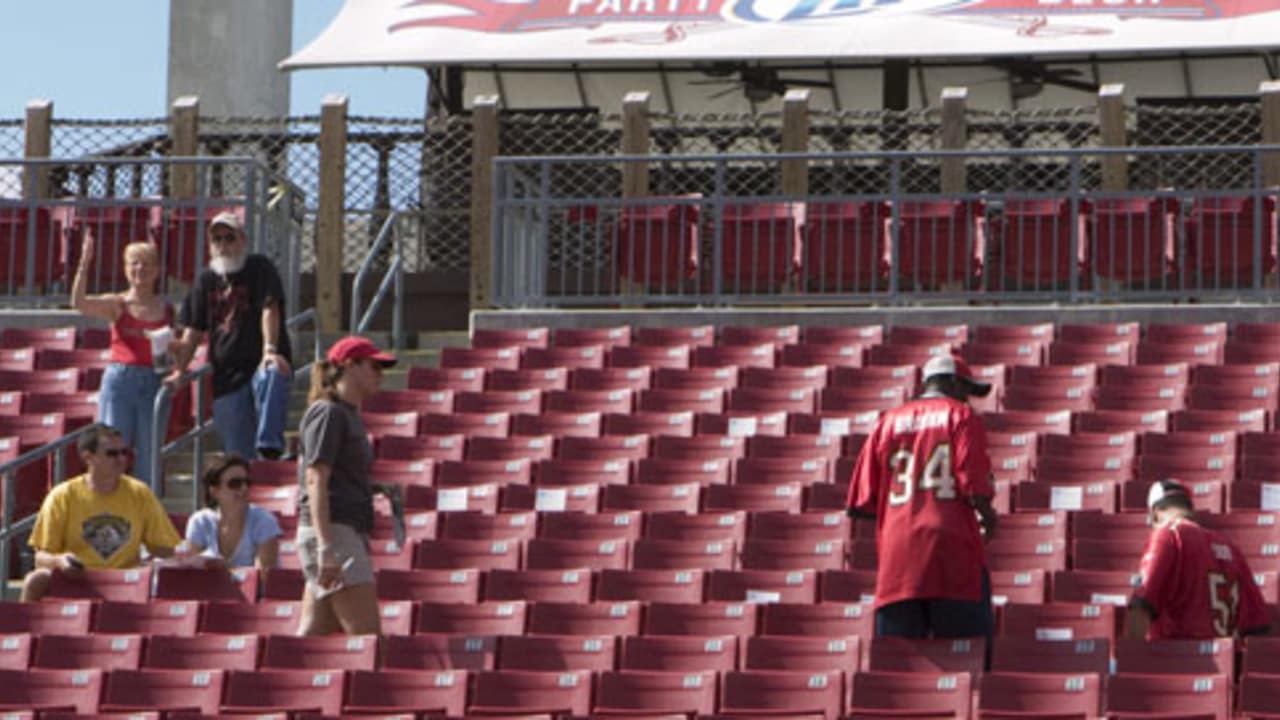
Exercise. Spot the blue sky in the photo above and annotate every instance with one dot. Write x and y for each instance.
(108, 60)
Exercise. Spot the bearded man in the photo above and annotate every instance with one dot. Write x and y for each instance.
(238, 304)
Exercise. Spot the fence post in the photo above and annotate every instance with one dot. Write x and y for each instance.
(1270, 92)
(795, 139)
(1115, 168)
(485, 146)
(955, 136)
(39, 144)
(635, 141)
(184, 130)
(330, 214)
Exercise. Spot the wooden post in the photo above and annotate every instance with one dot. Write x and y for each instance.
(330, 215)
(184, 132)
(795, 139)
(484, 148)
(39, 144)
(1270, 92)
(1115, 169)
(955, 136)
(635, 141)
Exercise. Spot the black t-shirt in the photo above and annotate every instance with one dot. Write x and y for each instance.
(229, 308)
(334, 434)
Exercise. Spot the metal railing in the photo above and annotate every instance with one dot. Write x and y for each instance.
(9, 528)
(123, 200)
(392, 282)
(1061, 238)
(195, 436)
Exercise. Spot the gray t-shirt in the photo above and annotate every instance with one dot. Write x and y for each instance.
(334, 434)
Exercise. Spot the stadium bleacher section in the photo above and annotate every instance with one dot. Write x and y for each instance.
(650, 524)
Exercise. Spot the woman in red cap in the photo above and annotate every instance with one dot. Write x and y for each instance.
(335, 507)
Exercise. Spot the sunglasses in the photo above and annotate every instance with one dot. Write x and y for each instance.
(116, 452)
(234, 483)
(221, 239)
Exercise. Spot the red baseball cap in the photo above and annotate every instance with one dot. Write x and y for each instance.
(354, 347)
(954, 365)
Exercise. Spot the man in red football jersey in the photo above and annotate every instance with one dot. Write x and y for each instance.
(924, 474)
(1195, 582)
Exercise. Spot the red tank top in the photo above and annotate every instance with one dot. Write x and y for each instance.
(129, 342)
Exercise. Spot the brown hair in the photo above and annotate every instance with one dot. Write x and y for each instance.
(324, 381)
(213, 474)
(93, 437)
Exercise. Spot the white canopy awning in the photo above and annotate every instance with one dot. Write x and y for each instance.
(477, 32)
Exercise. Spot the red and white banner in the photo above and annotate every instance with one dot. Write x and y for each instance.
(434, 32)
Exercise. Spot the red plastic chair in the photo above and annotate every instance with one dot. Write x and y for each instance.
(456, 379)
(1031, 693)
(557, 424)
(939, 241)
(682, 498)
(1176, 657)
(701, 619)
(802, 654)
(777, 335)
(177, 617)
(291, 691)
(114, 652)
(202, 652)
(604, 336)
(733, 356)
(881, 694)
(597, 618)
(457, 585)
(535, 337)
(466, 424)
(390, 692)
(284, 652)
(688, 335)
(453, 554)
(795, 554)
(1120, 421)
(656, 245)
(651, 356)
(37, 338)
(1223, 248)
(525, 447)
(556, 653)
(707, 526)
(263, 618)
(786, 586)
(810, 354)
(1058, 621)
(132, 585)
(1130, 240)
(1018, 586)
(527, 379)
(516, 692)
(488, 358)
(845, 246)
(1029, 655)
(652, 554)
(645, 422)
(782, 497)
(625, 526)
(559, 360)
(1147, 696)
(684, 585)
(894, 654)
(775, 692)
(439, 652)
(484, 618)
(52, 690)
(742, 423)
(556, 554)
(1118, 351)
(760, 247)
(679, 653)
(610, 378)
(598, 402)
(422, 447)
(498, 401)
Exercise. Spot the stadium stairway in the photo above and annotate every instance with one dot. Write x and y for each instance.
(424, 351)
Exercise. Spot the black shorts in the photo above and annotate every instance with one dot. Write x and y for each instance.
(938, 617)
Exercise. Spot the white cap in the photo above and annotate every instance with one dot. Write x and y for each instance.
(952, 365)
(229, 219)
(1162, 489)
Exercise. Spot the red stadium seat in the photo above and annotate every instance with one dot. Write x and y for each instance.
(489, 358)
(446, 378)
(498, 401)
(611, 378)
(114, 652)
(174, 617)
(1223, 246)
(546, 368)
(1176, 657)
(597, 618)
(783, 497)
(202, 652)
(1130, 240)
(887, 694)
(707, 526)
(733, 356)
(263, 618)
(634, 692)
(535, 337)
(37, 338)
(812, 354)
(894, 654)
(1035, 250)
(653, 554)
(467, 424)
(320, 653)
(433, 447)
(556, 554)
(939, 241)
(827, 619)
(649, 423)
(622, 525)
(484, 618)
(1058, 621)
(1184, 695)
(1035, 694)
(516, 692)
(845, 246)
(557, 653)
(524, 447)
(651, 356)
(650, 585)
(769, 692)
(1029, 655)
(657, 245)
(668, 471)
(1073, 352)
(606, 336)
(292, 691)
(701, 619)
(458, 585)
(439, 652)
(742, 423)
(651, 498)
(557, 424)
(679, 653)
(393, 402)
(391, 692)
(132, 585)
(443, 553)
(620, 400)
(802, 654)
(75, 691)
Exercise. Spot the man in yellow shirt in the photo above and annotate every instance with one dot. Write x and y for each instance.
(97, 520)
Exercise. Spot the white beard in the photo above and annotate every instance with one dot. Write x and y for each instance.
(224, 265)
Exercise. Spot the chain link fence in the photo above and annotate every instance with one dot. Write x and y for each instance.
(423, 168)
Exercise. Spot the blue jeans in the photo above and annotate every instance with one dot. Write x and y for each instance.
(126, 402)
(253, 416)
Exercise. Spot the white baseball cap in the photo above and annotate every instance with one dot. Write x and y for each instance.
(953, 365)
(1164, 489)
(227, 218)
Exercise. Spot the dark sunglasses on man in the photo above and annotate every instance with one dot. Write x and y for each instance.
(234, 483)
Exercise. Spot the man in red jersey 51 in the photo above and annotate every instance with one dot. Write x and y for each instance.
(925, 475)
(1195, 582)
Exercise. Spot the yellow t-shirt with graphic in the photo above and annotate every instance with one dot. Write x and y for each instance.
(104, 531)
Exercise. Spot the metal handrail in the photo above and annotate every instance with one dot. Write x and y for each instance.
(8, 475)
(393, 281)
(160, 411)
